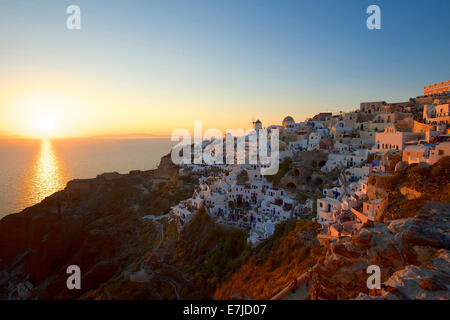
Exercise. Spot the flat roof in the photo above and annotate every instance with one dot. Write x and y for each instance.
(327, 199)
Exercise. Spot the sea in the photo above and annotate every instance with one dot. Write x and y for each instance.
(32, 169)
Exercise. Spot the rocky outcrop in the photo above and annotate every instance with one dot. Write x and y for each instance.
(413, 256)
(93, 223)
(98, 225)
(374, 192)
(417, 282)
(309, 159)
(166, 169)
(410, 194)
(401, 166)
(431, 227)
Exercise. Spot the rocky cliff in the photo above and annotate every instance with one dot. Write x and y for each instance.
(410, 244)
(413, 256)
(96, 224)
(115, 228)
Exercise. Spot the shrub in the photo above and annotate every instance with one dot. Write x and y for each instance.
(284, 167)
(279, 260)
(390, 183)
(396, 159)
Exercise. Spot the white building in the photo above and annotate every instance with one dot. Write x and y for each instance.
(341, 147)
(183, 212)
(426, 153)
(438, 152)
(334, 192)
(326, 210)
(314, 141)
(257, 125)
(371, 208)
(298, 145)
(392, 139)
(416, 154)
(436, 114)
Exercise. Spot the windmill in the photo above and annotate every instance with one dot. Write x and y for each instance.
(256, 123)
(253, 122)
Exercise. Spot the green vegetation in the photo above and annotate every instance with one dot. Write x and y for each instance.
(390, 183)
(370, 158)
(190, 178)
(277, 261)
(301, 198)
(396, 159)
(161, 185)
(286, 138)
(242, 178)
(431, 183)
(284, 167)
(209, 252)
(422, 178)
(219, 261)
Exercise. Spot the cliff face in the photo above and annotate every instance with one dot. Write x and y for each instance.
(274, 264)
(410, 244)
(115, 228)
(413, 255)
(96, 224)
(409, 189)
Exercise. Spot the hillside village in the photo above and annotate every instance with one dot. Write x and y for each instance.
(325, 165)
(368, 187)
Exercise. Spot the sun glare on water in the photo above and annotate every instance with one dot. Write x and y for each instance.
(47, 174)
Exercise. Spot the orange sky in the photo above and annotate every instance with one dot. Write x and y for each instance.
(150, 67)
(84, 106)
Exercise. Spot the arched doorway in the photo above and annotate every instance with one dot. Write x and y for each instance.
(291, 185)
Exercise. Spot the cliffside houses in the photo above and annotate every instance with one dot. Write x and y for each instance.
(437, 114)
(343, 158)
(327, 209)
(426, 153)
(255, 205)
(393, 139)
(183, 212)
(416, 130)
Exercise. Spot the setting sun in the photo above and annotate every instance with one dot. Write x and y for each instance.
(46, 114)
(45, 123)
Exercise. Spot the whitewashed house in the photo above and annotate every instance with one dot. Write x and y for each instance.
(392, 139)
(326, 210)
(314, 141)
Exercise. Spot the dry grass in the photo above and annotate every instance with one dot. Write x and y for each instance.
(270, 270)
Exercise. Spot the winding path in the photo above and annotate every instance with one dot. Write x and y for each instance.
(301, 292)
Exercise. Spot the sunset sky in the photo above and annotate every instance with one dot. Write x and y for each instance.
(153, 66)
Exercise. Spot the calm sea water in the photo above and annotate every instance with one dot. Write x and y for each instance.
(31, 170)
